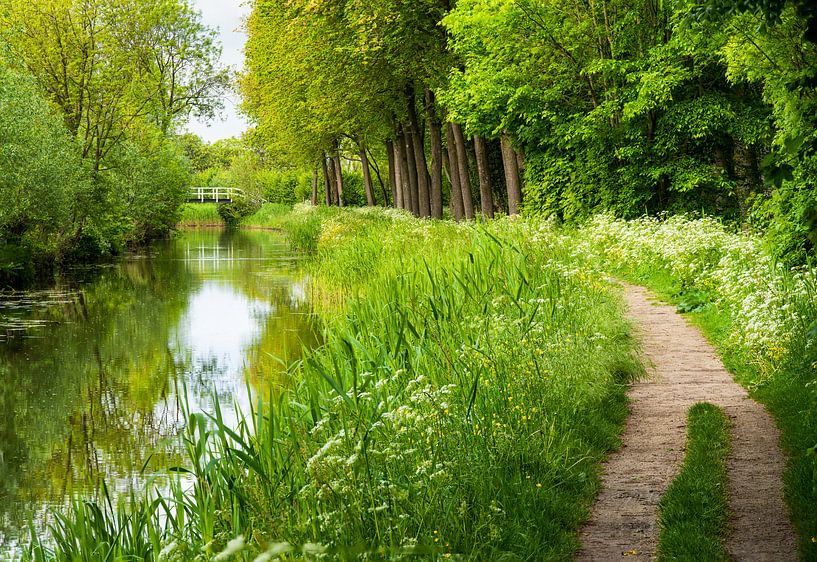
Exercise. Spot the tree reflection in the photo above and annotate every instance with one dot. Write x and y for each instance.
(90, 379)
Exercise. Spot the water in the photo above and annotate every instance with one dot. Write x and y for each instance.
(92, 369)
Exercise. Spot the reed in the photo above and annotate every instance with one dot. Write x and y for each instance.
(200, 214)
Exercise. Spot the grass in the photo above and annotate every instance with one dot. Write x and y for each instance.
(694, 511)
(471, 381)
(760, 317)
(200, 214)
(269, 216)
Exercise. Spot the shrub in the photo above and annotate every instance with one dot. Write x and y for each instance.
(237, 210)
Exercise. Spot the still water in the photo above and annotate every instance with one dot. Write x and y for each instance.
(92, 370)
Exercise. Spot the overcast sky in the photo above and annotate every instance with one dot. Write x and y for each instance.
(225, 16)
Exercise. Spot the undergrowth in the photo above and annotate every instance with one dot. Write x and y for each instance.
(268, 215)
(199, 214)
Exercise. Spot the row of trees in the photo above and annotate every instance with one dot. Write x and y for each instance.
(328, 79)
(626, 105)
(92, 94)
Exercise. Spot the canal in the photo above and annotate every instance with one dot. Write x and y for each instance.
(93, 369)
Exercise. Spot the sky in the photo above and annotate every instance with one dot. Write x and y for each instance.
(225, 16)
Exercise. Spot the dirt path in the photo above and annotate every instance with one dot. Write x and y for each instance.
(686, 370)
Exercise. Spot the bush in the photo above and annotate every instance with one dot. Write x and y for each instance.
(353, 193)
(237, 210)
(41, 176)
(287, 188)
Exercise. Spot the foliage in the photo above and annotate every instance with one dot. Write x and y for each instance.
(110, 173)
(140, 194)
(110, 65)
(635, 106)
(786, 67)
(317, 71)
(617, 107)
(694, 511)
(287, 187)
(234, 212)
(41, 177)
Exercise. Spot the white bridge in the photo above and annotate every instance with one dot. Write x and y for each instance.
(213, 194)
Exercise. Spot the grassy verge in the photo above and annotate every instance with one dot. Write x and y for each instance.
(471, 380)
(694, 511)
(271, 215)
(761, 317)
(199, 214)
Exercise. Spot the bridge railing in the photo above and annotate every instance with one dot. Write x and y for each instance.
(218, 194)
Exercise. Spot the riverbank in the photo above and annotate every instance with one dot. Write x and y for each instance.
(269, 216)
(456, 351)
(452, 352)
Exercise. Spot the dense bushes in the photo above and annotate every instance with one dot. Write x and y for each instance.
(288, 187)
(636, 107)
(237, 210)
(42, 177)
(55, 207)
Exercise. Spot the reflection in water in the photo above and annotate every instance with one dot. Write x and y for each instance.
(91, 371)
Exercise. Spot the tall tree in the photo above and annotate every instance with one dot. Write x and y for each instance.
(111, 66)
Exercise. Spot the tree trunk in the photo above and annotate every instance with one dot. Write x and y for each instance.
(462, 167)
(338, 178)
(314, 199)
(453, 175)
(392, 172)
(423, 201)
(486, 198)
(520, 164)
(329, 180)
(511, 175)
(367, 176)
(405, 171)
(435, 131)
(374, 166)
(411, 160)
(399, 182)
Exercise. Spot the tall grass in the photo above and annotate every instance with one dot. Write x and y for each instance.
(200, 214)
(270, 215)
(472, 379)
